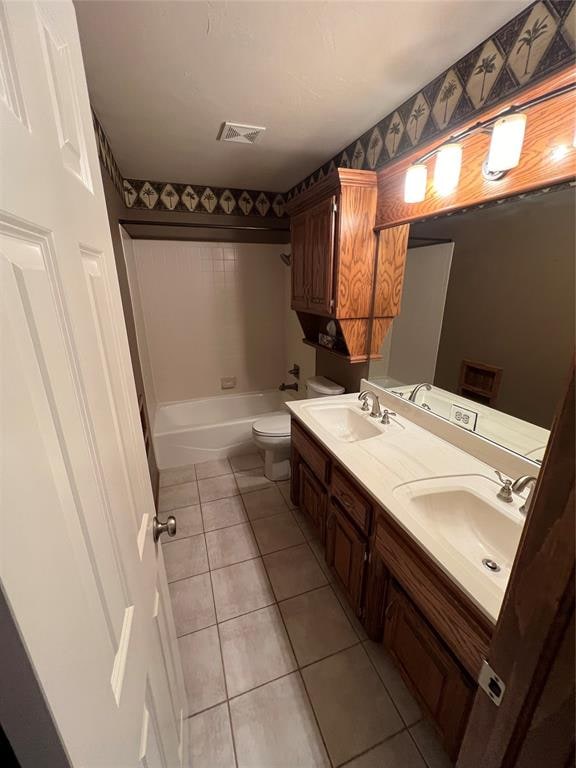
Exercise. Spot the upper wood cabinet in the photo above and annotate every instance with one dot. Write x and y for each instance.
(337, 258)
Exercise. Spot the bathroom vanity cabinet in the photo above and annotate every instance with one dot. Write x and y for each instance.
(337, 258)
(435, 634)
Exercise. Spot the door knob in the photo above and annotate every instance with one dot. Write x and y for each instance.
(159, 528)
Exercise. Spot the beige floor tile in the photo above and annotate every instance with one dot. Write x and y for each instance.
(252, 480)
(175, 496)
(264, 503)
(293, 571)
(305, 524)
(213, 468)
(176, 475)
(274, 727)
(429, 745)
(241, 588)
(202, 667)
(352, 706)
(185, 557)
(256, 649)
(192, 603)
(396, 687)
(284, 489)
(223, 512)
(348, 610)
(227, 546)
(278, 532)
(213, 488)
(317, 625)
(188, 523)
(210, 739)
(397, 752)
(246, 461)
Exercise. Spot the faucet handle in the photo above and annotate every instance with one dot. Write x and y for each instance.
(364, 397)
(386, 416)
(505, 493)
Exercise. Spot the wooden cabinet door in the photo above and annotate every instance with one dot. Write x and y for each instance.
(320, 256)
(346, 553)
(313, 498)
(300, 264)
(429, 669)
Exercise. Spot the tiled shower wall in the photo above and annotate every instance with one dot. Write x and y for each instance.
(212, 311)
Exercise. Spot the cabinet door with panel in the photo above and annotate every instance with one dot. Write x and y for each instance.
(346, 554)
(320, 255)
(313, 500)
(300, 263)
(428, 667)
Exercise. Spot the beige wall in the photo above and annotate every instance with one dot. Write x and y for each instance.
(210, 311)
(296, 351)
(510, 299)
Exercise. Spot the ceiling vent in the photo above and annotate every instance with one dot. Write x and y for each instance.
(241, 134)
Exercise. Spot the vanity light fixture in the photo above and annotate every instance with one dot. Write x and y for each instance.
(507, 130)
(447, 169)
(415, 183)
(506, 142)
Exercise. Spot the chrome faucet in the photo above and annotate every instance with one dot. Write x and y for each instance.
(375, 412)
(417, 389)
(520, 484)
(283, 387)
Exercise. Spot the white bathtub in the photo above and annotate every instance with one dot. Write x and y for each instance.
(190, 431)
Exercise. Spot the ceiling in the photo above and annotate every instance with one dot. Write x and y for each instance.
(164, 75)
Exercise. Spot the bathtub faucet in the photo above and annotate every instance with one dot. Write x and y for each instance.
(283, 387)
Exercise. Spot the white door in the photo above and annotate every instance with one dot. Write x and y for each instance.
(79, 568)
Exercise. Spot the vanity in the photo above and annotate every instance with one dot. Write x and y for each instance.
(409, 523)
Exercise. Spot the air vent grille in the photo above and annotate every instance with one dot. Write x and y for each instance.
(240, 134)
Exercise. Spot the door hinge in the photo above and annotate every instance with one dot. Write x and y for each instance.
(331, 303)
(334, 207)
(491, 684)
(366, 557)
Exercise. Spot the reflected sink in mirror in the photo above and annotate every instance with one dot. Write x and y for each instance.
(466, 514)
(347, 423)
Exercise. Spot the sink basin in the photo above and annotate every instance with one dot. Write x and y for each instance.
(345, 422)
(464, 512)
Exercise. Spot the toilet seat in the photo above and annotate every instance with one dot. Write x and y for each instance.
(273, 426)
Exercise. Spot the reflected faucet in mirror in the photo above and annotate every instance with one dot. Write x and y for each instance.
(417, 388)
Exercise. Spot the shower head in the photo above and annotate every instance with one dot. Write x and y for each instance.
(286, 258)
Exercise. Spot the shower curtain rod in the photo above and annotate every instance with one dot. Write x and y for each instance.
(194, 225)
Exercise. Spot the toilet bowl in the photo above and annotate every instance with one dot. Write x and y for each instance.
(272, 433)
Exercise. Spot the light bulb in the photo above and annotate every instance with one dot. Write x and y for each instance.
(506, 142)
(415, 183)
(447, 169)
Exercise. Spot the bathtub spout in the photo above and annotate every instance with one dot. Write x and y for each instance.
(283, 387)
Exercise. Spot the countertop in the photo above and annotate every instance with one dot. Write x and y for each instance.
(404, 453)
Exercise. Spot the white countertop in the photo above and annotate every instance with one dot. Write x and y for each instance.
(404, 455)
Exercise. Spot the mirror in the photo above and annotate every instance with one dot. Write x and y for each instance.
(487, 319)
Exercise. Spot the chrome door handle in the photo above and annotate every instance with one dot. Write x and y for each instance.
(159, 528)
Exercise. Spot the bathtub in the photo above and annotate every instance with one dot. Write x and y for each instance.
(191, 431)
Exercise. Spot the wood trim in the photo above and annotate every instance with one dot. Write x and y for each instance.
(549, 124)
(537, 607)
(330, 185)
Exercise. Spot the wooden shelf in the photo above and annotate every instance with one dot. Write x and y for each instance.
(342, 355)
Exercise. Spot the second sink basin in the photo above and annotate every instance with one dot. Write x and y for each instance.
(346, 422)
(465, 513)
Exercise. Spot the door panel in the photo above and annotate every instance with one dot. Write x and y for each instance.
(300, 264)
(79, 569)
(320, 254)
(313, 499)
(346, 553)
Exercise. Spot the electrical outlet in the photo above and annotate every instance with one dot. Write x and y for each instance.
(228, 382)
(464, 417)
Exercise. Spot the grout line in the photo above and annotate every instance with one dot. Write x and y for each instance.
(374, 746)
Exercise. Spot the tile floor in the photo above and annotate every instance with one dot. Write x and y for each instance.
(279, 673)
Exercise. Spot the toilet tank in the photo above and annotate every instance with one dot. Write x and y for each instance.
(319, 386)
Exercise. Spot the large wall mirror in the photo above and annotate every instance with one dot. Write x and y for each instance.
(486, 324)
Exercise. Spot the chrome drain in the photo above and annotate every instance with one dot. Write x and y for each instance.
(492, 565)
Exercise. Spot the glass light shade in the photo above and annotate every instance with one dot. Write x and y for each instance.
(506, 142)
(447, 169)
(415, 183)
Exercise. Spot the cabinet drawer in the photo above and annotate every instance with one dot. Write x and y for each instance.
(351, 500)
(466, 632)
(314, 456)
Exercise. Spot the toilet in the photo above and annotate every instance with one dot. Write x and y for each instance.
(272, 433)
